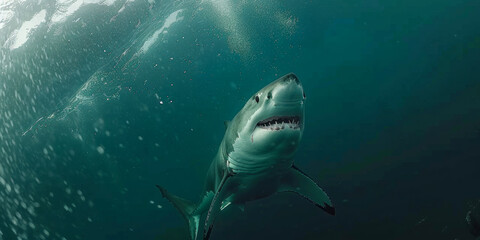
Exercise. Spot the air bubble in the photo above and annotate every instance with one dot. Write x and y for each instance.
(100, 150)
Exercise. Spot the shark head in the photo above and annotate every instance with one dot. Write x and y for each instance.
(270, 125)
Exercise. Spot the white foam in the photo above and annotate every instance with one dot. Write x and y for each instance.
(20, 36)
(103, 2)
(69, 7)
(5, 17)
(125, 4)
(65, 9)
(171, 19)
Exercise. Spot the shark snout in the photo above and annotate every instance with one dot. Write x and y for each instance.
(287, 89)
(291, 77)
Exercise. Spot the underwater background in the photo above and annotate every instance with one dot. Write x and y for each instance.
(102, 99)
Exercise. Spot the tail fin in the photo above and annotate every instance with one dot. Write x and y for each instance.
(186, 208)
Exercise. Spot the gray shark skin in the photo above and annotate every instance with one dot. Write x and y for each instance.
(255, 158)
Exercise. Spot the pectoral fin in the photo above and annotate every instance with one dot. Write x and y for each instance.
(298, 182)
(216, 206)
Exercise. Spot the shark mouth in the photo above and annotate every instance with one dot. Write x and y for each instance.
(279, 123)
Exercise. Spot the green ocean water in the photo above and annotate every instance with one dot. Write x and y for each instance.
(105, 99)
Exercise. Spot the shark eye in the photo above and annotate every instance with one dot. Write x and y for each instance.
(304, 95)
(257, 99)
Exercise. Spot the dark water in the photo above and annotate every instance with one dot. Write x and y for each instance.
(92, 115)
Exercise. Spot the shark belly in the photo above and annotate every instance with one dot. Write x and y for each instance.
(251, 167)
(255, 186)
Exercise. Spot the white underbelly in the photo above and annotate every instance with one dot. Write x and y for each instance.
(256, 165)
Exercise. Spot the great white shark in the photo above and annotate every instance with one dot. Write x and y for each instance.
(255, 158)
